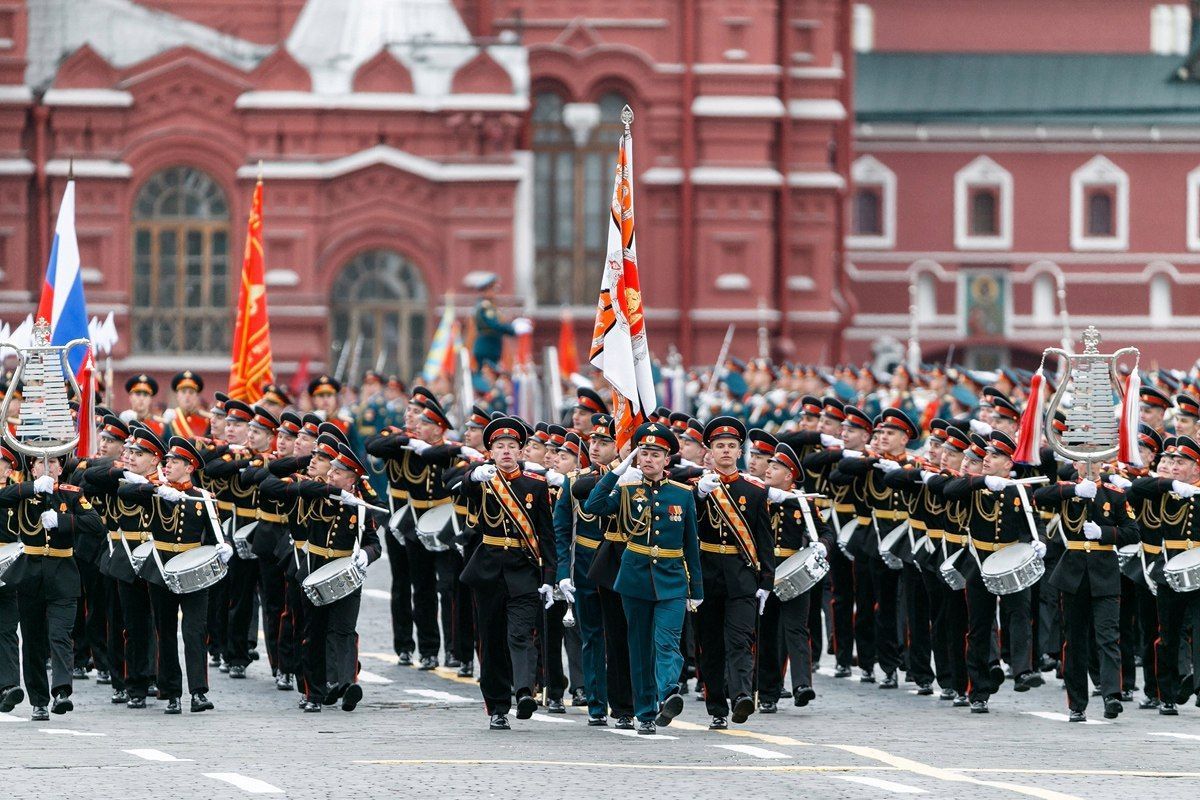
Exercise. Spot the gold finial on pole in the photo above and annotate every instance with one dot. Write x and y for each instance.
(627, 117)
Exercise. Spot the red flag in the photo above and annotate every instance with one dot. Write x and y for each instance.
(87, 408)
(568, 356)
(251, 366)
(300, 379)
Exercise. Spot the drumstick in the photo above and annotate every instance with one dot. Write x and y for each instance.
(362, 504)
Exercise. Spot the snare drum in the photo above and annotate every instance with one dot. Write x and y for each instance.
(1012, 569)
(800, 572)
(436, 526)
(193, 570)
(394, 521)
(843, 537)
(951, 574)
(330, 583)
(138, 556)
(894, 548)
(241, 542)
(1182, 571)
(8, 554)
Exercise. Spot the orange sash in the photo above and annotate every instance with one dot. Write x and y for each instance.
(736, 521)
(181, 425)
(512, 509)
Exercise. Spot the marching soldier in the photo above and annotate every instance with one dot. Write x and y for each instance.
(512, 566)
(187, 418)
(11, 692)
(738, 562)
(141, 390)
(660, 573)
(323, 391)
(490, 330)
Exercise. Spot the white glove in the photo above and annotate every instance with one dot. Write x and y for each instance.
(133, 477)
(361, 560)
(1091, 530)
(348, 498)
(708, 482)
(1086, 489)
(170, 494)
(821, 548)
(533, 466)
(554, 477)
(483, 473)
(1120, 481)
(632, 475)
(778, 495)
(762, 595)
(43, 485)
(852, 454)
(1184, 489)
(693, 604)
(522, 325)
(980, 428)
(470, 452)
(926, 475)
(995, 482)
(830, 441)
(224, 552)
(547, 594)
(1039, 548)
(418, 446)
(49, 520)
(619, 469)
(886, 465)
(568, 590)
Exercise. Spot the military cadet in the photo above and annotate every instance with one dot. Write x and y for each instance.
(660, 573)
(1154, 405)
(181, 519)
(90, 632)
(142, 390)
(1095, 521)
(372, 414)
(274, 398)
(490, 330)
(1187, 414)
(738, 562)
(11, 692)
(323, 392)
(50, 518)
(187, 418)
(997, 518)
(511, 568)
(587, 403)
(760, 447)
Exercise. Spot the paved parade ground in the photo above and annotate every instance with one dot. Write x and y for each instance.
(421, 734)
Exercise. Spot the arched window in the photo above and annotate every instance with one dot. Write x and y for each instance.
(1160, 300)
(1045, 292)
(1100, 212)
(926, 297)
(379, 307)
(181, 293)
(868, 211)
(983, 213)
(575, 150)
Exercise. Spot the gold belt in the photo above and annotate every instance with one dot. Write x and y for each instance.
(48, 551)
(785, 552)
(935, 533)
(399, 494)
(821, 502)
(844, 508)
(654, 551)
(583, 541)
(129, 536)
(721, 549)
(501, 541)
(1180, 544)
(1152, 549)
(1088, 546)
(954, 538)
(325, 552)
(224, 505)
(248, 513)
(612, 536)
(278, 519)
(175, 548)
(991, 547)
(891, 515)
(441, 501)
(916, 524)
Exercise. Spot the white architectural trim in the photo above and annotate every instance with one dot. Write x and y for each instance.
(736, 176)
(1193, 209)
(827, 110)
(732, 282)
(89, 168)
(523, 233)
(983, 172)
(737, 106)
(382, 154)
(91, 98)
(380, 101)
(862, 31)
(1099, 172)
(281, 277)
(815, 180)
(15, 95)
(662, 176)
(16, 166)
(869, 171)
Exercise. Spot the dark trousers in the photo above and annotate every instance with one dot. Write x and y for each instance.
(574, 647)
(507, 654)
(616, 645)
(955, 615)
(1131, 637)
(241, 582)
(218, 616)
(784, 637)
(589, 621)
(1177, 611)
(402, 609)
(463, 642)
(167, 607)
(919, 608)
(981, 642)
(1090, 622)
(330, 653)
(10, 661)
(887, 621)
(45, 633)
(448, 565)
(939, 596)
(138, 619)
(272, 594)
(655, 627)
(90, 630)
(841, 575)
(725, 632)
(423, 572)
(1049, 614)
(864, 614)
(291, 631)
(114, 631)
(1147, 605)
(552, 675)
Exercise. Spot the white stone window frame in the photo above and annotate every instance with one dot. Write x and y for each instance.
(870, 172)
(1193, 209)
(983, 173)
(1099, 172)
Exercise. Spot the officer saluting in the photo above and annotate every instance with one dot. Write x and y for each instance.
(660, 568)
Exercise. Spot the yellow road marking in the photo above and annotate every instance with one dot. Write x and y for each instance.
(609, 765)
(762, 737)
(441, 672)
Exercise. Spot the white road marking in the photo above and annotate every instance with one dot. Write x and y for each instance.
(826, 671)
(442, 697)
(69, 732)
(552, 718)
(1056, 717)
(887, 786)
(750, 750)
(12, 718)
(252, 785)
(637, 735)
(1174, 735)
(154, 755)
(378, 594)
(365, 676)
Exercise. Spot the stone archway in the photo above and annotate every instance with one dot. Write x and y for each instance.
(379, 308)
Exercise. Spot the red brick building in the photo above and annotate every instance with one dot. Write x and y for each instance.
(407, 143)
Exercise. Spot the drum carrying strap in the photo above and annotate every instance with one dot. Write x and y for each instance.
(741, 529)
(512, 509)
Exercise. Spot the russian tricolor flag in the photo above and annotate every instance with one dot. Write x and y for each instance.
(62, 305)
